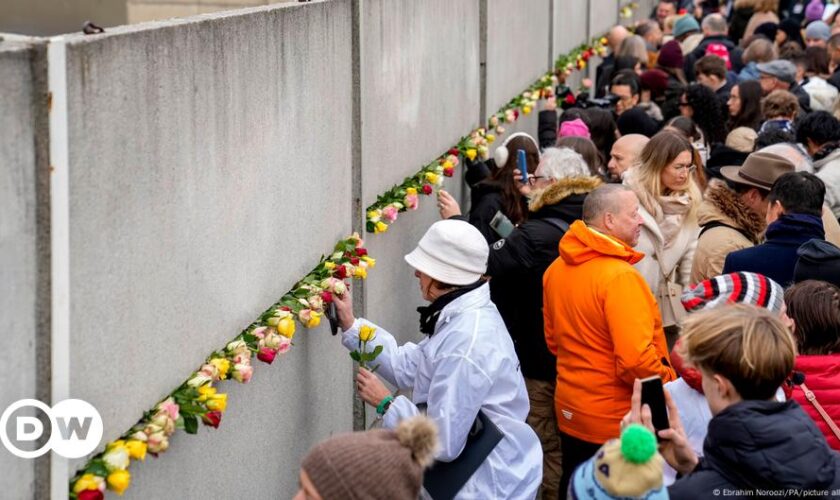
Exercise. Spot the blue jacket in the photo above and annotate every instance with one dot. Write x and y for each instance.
(761, 445)
(776, 257)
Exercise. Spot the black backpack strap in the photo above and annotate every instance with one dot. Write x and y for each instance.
(558, 223)
(717, 223)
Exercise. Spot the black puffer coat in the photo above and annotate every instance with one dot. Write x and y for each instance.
(517, 264)
(762, 445)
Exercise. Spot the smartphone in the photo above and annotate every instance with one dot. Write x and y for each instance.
(522, 164)
(653, 395)
(501, 224)
(332, 316)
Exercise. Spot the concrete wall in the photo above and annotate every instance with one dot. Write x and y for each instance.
(419, 89)
(18, 249)
(517, 47)
(188, 219)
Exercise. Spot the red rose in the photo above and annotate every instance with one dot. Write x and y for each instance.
(570, 98)
(449, 171)
(361, 251)
(341, 272)
(90, 495)
(354, 261)
(427, 189)
(454, 152)
(515, 114)
(285, 308)
(266, 355)
(326, 296)
(212, 418)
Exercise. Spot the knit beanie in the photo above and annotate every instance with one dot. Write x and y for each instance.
(767, 30)
(574, 128)
(685, 24)
(735, 288)
(742, 139)
(817, 30)
(814, 10)
(392, 462)
(655, 80)
(629, 467)
(818, 260)
(670, 55)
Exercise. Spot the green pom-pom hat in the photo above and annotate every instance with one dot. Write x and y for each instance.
(638, 444)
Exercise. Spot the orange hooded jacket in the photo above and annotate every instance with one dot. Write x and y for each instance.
(603, 324)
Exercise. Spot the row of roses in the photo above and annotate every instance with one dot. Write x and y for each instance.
(197, 398)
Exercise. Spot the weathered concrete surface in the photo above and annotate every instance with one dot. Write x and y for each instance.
(517, 47)
(18, 251)
(604, 14)
(209, 165)
(419, 94)
(570, 25)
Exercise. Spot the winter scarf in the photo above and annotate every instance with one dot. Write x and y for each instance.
(674, 209)
(429, 314)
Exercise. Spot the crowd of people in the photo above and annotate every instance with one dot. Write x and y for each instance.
(677, 220)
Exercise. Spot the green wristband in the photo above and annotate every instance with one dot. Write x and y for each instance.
(382, 407)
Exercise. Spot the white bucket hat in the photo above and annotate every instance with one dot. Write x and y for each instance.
(452, 251)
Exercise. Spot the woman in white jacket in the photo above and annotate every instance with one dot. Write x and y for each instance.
(668, 202)
(466, 364)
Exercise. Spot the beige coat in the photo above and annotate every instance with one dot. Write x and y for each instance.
(721, 204)
(675, 261)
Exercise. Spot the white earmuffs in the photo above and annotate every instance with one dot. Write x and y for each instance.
(501, 154)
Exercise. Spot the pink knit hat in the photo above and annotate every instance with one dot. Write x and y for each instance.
(575, 128)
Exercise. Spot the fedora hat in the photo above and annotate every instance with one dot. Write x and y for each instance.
(760, 170)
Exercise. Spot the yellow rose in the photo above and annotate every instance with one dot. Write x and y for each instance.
(431, 177)
(217, 402)
(136, 449)
(490, 138)
(526, 110)
(314, 320)
(86, 482)
(223, 365)
(604, 40)
(471, 154)
(374, 215)
(206, 391)
(366, 333)
(371, 262)
(286, 327)
(411, 191)
(360, 272)
(329, 265)
(447, 164)
(119, 480)
(380, 227)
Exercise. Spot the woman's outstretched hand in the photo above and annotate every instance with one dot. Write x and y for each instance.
(673, 444)
(370, 388)
(447, 205)
(344, 310)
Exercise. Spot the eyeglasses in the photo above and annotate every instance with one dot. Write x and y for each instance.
(532, 179)
(681, 168)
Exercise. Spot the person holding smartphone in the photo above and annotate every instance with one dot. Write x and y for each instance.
(754, 442)
(465, 368)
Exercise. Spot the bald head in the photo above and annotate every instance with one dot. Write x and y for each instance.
(714, 24)
(613, 209)
(616, 35)
(625, 153)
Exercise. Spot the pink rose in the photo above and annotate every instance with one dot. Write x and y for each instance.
(242, 373)
(412, 201)
(260, 332)
(267, 355)
(389, 213)
(170, 407)
(285, 345)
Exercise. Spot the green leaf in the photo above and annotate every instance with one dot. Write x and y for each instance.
(98, 468)
(376, 351)
(191, 424)
(355, 355)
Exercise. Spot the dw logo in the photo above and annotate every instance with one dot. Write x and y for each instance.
(75, 428)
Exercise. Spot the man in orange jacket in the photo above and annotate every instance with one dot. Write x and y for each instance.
(601, 322)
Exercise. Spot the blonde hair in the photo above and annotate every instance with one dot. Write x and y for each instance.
(646, 180)
(746, 344)
(766, 6)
